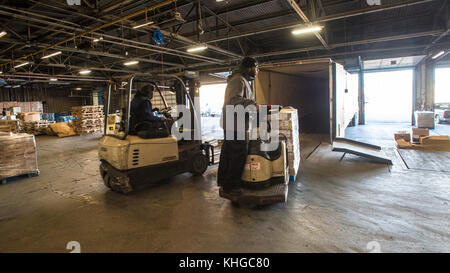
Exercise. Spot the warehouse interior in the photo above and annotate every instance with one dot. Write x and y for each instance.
(364, 83)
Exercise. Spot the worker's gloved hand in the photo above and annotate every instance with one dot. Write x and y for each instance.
(163, 119)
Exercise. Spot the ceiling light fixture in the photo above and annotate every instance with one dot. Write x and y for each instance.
(84, 72)
(131, 63)
(197, 48)
(20, 65)
(143, 25)
(98, 39)
(78, 88)
(306, 30)
(3, 33)
(52, 55)
(53, 80)
(438, 55)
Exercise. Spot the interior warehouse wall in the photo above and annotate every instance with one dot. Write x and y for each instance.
(309, 94)
(54, 100)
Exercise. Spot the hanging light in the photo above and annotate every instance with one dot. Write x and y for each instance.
(131, 63)
(84, 72)
(3, 33)
(98, 39)
(52, 55)
(53, 80)
(143, 25)
(20, 65)
(438, 55)
(307, 30)
(197, 48)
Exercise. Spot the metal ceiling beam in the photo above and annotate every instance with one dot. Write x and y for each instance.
(306, 20)
(322, 19)
(147, 46)
(94, 29)
(360, 42)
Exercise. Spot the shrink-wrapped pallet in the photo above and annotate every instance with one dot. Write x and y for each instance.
(289, 127)
(424, 119)
(17, 155)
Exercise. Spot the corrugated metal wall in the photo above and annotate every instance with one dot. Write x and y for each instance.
(54, 100)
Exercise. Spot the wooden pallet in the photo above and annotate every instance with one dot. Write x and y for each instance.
(28, 174)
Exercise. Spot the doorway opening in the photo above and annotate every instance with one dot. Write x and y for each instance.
(211, 102)
(388, 96)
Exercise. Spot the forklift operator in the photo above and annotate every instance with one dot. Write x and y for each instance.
(234, 152)
(141, 114)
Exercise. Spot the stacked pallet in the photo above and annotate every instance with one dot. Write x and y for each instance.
(88, 119)
(17, 155)
(36, 128)
(289, 128)
(9, 126)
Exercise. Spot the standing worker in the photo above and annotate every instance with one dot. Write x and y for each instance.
(234, 152)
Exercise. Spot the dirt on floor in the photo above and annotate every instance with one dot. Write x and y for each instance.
(336, 205)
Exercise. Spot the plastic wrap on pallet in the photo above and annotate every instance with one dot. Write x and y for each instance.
(17, 155)
(289, 127)
(9, 126)
(424, 119)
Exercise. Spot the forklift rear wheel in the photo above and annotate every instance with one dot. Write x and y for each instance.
(106, 179)
(199, 164)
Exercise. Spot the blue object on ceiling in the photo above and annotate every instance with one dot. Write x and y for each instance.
(158, 37)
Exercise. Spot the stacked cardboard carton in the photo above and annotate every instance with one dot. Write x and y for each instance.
(9, 126)
(289, 127)
(17, 155)
(88, 119)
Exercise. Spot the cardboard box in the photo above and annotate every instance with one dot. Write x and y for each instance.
(32, 117)
(15, 110)
(403, 135)
(417, 133)
(424, 119)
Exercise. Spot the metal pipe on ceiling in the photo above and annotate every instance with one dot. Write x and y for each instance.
(93, 30)
(148, 47)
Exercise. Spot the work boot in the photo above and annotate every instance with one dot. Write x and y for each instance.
(232, 190)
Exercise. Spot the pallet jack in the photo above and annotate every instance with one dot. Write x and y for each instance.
(265, 178)
(129, 162)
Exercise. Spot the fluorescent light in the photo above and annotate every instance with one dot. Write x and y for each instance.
(53, 80)
(438, 55)
(143, 25)
(78, 88)
(197, 48)
(52, 55)
(3, 33)
(16, 86)
(131, 63)
(20, 65)
(306, 30)
(98, 39)
(84, 72)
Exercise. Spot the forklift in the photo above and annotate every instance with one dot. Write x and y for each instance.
(130, 162)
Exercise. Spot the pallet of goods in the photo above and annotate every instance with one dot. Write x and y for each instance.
(17, 156)
(36, 128)
(9, 126)
(88, 119)
(289, 127)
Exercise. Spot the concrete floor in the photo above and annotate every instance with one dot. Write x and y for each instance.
(334, 206)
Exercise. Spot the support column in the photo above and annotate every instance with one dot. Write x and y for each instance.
(423, 96)
(361, 96)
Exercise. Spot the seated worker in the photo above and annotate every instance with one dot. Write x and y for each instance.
(143, 122)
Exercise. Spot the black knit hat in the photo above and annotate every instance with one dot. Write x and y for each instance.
(248, 62)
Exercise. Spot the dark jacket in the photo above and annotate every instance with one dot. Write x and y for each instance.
(141, 110)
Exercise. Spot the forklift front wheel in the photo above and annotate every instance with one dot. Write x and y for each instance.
(199, 164)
